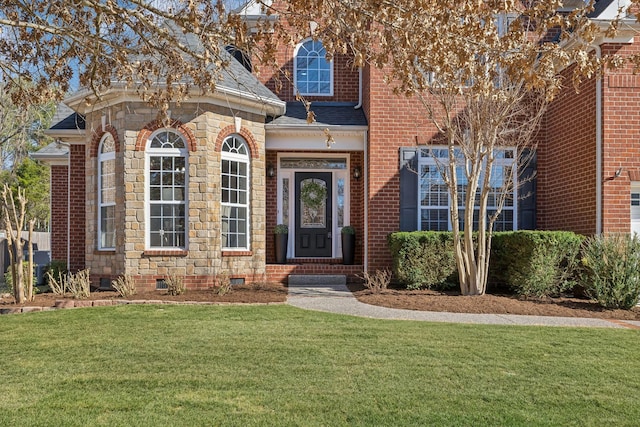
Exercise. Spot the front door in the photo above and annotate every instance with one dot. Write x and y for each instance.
(313, 214)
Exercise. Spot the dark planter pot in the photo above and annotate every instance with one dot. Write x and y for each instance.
(348, 248)
(281, 247)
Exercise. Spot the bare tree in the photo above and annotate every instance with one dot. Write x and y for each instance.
(484, 71)
(14, 221)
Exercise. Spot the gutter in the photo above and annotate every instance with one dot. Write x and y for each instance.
(119, 92)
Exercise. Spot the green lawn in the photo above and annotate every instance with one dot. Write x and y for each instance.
(278, 365)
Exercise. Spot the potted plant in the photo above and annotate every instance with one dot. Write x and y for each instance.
(280, 238)
(348, 244)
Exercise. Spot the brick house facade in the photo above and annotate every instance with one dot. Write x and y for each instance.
(587, 171)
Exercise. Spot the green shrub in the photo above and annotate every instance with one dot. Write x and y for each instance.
(611, 270)
(8, 279)
(281, 229)
(347, 229)
(535, 263)
(423, 259)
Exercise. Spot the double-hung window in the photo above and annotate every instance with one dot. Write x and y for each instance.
(313, 74)
(235, 194)
(107, 193)
(434, 201)
(167, 167)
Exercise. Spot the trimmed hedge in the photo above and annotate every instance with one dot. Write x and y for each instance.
(532, 263)
(423, 259)
(535, 263)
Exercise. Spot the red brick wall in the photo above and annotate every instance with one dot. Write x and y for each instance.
(345, 75)
(394, 122)
(621, 140)
(77, 211)
(566, 161)
(59, 212)
(567, 157)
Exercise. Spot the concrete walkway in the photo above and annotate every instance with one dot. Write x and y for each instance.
(338, 299)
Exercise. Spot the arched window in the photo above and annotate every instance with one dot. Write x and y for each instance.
(107, 193)
(313, 74)
(235, 193)
(167, 175)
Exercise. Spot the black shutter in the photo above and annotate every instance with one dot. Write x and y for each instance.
(527, 193)
(408, 189)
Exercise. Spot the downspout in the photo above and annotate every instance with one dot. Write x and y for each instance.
(69, 208)
(365, 252)
(359, 105)
(598, 52)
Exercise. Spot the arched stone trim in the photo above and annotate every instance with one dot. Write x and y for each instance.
(244, 133)
(97, 137)
(150, 128)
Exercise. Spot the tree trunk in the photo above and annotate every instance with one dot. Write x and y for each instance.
(29, 292)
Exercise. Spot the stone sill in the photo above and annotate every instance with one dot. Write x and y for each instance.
(165, 253)
(237, 253)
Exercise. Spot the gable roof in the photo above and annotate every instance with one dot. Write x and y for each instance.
(67, 119)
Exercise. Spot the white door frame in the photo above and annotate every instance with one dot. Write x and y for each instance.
(337, 174)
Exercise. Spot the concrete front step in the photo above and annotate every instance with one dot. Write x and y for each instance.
(317, 279)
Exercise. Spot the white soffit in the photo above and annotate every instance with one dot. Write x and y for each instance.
(313, 138)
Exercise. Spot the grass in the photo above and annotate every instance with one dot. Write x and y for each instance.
(278, 365)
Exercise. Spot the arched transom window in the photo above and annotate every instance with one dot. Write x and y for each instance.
(313, 74)
(235, 193)
(167, 175)
(107, 193)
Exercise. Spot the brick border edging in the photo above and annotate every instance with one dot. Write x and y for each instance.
(64, 304)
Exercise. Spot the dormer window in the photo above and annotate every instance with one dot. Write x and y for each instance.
(312, 72)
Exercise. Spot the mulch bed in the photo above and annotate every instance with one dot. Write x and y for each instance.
(498, 303)
(422, 300)
(240, 294)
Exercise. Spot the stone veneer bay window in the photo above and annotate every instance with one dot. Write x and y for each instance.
(107, 193)
(235, 194)
(167, 166)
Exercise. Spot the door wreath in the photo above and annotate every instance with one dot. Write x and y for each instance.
(313, 194)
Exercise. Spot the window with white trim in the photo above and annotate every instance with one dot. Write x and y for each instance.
(313, 74)
(235, 193)
(167, 161)
(107, 193)
(434, 200)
